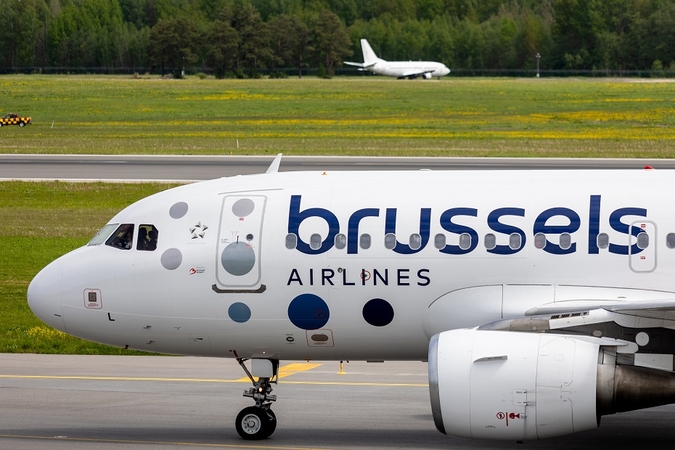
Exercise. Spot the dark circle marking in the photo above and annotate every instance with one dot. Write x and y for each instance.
(308, 312)
(378, 312)
(178, 210)
(238, 258)
(239, 312)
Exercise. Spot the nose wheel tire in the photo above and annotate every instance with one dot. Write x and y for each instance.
(254, 423)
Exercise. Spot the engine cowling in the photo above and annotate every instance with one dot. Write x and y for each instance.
(427, 76)
(523, 386)
(516, 386)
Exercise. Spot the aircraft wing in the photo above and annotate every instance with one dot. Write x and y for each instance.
(647, 327)
(416, 73)
(362, 66)
(648, 308)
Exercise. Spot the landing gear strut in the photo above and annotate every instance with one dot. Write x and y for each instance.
(259, 421)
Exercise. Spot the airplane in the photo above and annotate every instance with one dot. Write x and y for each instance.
(399, 69)
(541, 299)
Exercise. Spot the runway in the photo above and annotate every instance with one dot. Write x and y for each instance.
(195, 168)
(117, 402)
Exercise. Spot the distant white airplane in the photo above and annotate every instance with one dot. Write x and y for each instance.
(542, 300)
(399, 69)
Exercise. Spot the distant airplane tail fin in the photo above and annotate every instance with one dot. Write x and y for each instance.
(369, 56)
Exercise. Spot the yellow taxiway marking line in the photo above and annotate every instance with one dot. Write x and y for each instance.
(101, 378)
(133, 441)
(290, 369)
(357, 383)
(203, 380)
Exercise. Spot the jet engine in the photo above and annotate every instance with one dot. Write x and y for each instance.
(427, 76)
(524, 386)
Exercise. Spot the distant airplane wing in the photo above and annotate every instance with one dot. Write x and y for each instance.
(416, 73)
(361, 66)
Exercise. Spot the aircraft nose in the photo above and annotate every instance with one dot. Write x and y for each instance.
(44, 295)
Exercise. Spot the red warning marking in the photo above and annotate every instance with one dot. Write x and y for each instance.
(507, 415)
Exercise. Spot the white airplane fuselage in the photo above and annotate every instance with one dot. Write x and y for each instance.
(362, 265)
(404, 68)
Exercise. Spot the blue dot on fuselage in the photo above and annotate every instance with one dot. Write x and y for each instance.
(239, 312)
(308, 311)
(378, 312)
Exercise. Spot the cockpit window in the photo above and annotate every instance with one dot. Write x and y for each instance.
(103, 234)
(123, 237)
(147, 237)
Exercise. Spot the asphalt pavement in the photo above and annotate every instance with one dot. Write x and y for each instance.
(156, 402)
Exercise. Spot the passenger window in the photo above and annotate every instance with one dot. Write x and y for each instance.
(364, 241)
(439, 241)
(565, 241)
(670, 240)
(340, 241)
(389, 241)
(291, 241)
(465, 241)
(490, 241)
(642, 240)
(315, 241)
(539, 240)
(514, 241)
(415, 241)
(103, 234)
(147, 237)
(123, 237)
(603, 240)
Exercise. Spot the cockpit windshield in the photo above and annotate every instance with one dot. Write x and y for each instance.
(123, 237)
(103, 234)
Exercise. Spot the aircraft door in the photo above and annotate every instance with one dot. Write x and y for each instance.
(642, 251)
(239, 242)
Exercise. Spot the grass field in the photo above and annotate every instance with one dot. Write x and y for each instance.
(342, 116)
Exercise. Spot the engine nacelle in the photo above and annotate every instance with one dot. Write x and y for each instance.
(515, 386)
(427, 76)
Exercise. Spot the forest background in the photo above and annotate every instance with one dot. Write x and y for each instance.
(246, 38)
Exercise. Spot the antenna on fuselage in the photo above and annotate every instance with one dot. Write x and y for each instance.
(274, 167)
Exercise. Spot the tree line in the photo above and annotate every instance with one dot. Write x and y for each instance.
(243, 37)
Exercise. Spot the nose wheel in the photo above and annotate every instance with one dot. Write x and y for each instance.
(259, 421)
(255, 423)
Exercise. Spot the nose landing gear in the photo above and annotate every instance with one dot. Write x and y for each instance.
(255, 423)
(259, 421)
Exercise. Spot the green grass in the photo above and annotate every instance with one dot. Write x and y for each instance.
(343, 116)
(38, 223)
